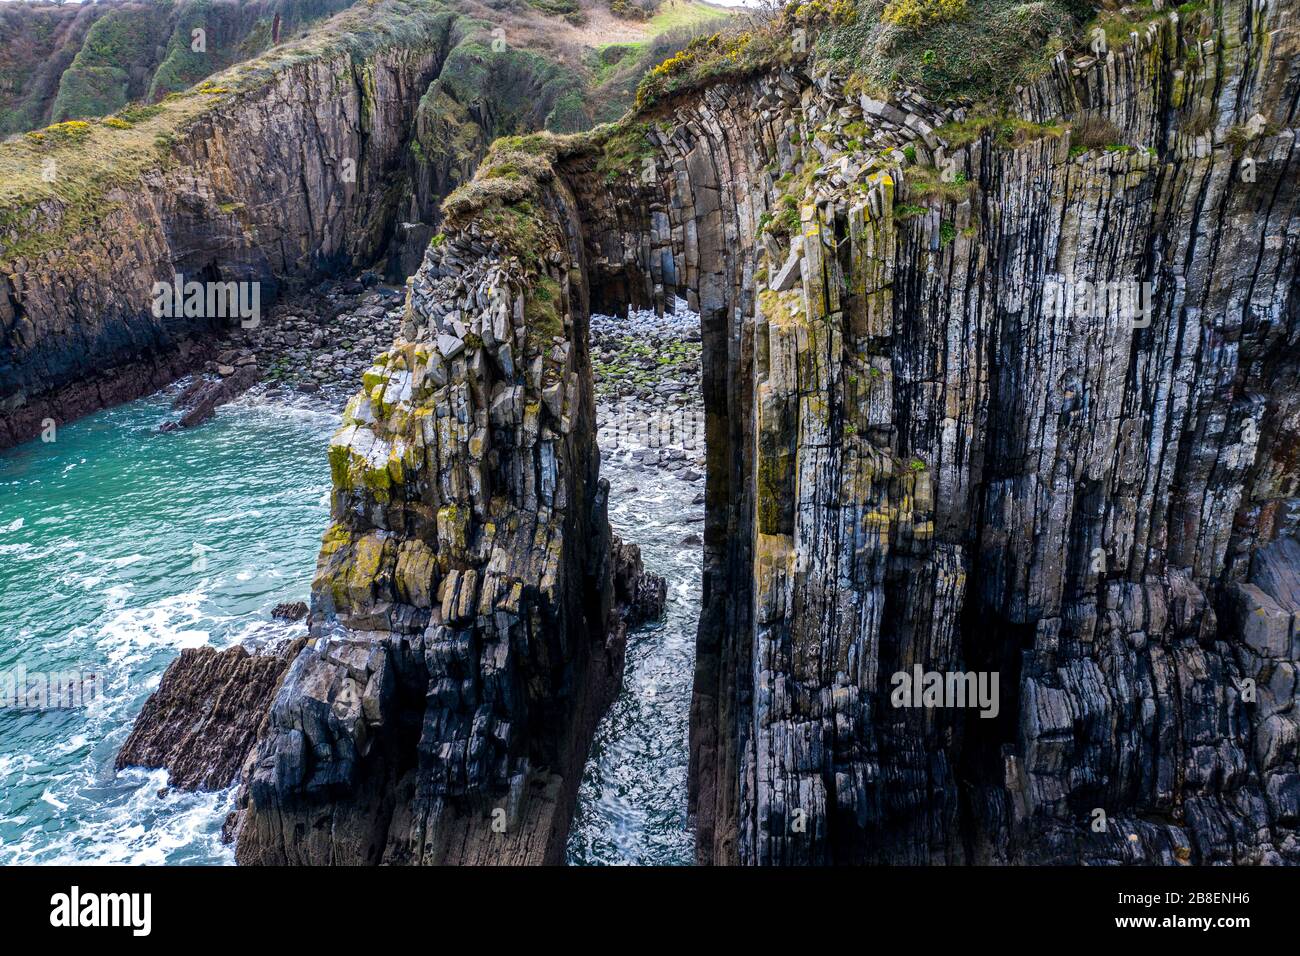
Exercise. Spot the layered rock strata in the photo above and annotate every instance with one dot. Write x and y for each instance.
(325, 154)
(208, 711)
(931, 447)
(919, 457)
(275, 182)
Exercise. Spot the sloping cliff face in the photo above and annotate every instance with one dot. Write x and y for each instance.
(325, 154)
(292, 168)
(72, 61)
(920, 456)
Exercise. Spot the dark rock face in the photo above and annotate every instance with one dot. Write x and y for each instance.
(917, 459)
(22, 416)
(206, 715)
(294, 611)
(639, 596)
(465, 604)
(922, 460)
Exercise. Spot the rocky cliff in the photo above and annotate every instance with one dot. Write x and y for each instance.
(469, 632)
(941, 466)
(282, 168)
(327, 153)
(1002, 392)
(921, 457)
(72, 61)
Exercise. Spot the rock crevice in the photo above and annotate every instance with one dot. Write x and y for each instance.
(920, 453)
(933, 447)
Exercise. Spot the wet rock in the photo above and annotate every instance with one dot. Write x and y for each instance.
(639, 595)
(201, 400)
(294, 611)
(203, 720)
(468, 524)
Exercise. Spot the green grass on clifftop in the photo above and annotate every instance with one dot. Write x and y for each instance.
(78, 164)
(976, 49)
(750, 45)
(946, 48)
(968, 50)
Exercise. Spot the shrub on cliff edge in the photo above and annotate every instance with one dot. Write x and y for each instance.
(952, 48)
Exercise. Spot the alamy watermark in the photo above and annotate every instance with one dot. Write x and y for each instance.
(208, 300)
(922, 688)
(73, 689)
(75, 909)
(1126, 299)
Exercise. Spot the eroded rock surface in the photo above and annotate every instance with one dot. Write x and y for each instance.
(919, 455)
(207, 713)
(328, 153)
(465, 601)
(917, 458)
(244, 193)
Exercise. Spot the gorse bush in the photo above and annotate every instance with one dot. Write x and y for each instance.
(915, 14)
(60, 134)
(704, 58)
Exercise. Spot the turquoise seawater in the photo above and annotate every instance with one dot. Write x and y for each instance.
(119, 546)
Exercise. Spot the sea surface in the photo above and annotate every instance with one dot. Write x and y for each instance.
(632, 804)
(119, 546)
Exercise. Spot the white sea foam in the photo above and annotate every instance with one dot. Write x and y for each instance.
(135, 828)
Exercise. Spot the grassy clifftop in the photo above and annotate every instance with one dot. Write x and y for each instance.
(76, 162)
(973, 51)
(538, 71)
(976, 49)
(79, 61)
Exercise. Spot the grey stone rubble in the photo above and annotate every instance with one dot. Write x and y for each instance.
(318, 343)
(646, 374)
(313, 345)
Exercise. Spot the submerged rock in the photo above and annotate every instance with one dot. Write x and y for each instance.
(293, 611)
(201, 399)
